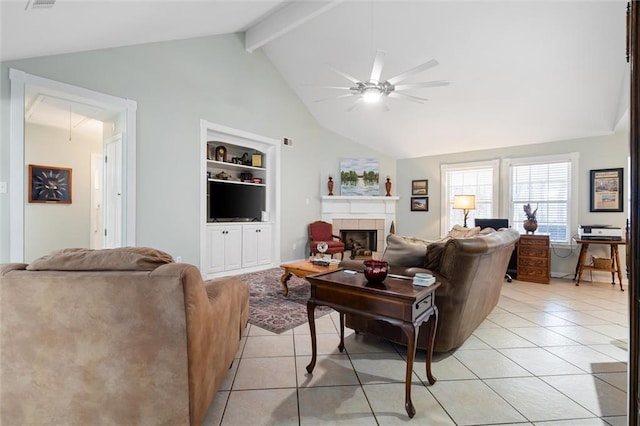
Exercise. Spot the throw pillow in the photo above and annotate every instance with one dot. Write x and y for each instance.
(118, 259)
(405, 251)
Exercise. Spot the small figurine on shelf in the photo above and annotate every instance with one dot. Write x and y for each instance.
(330, 185)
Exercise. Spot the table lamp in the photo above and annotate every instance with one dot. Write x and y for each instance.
(465, 203)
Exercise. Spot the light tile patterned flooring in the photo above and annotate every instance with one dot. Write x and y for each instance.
(547, 355)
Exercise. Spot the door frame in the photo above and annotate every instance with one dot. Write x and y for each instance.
(17, 170)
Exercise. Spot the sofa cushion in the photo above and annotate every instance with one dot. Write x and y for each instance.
(405, 251)
(461, 232)
(117, 259)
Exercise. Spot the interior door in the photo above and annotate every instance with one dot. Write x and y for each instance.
(96, 211)
(113, 191)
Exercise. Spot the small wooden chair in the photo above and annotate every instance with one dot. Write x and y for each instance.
(320, 231)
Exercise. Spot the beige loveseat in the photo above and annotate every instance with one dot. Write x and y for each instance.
(119, 337)
(471, 272)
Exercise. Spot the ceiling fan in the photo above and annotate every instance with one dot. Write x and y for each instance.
(374, 90)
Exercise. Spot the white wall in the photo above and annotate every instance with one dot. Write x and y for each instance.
(50, 227)
(176, 84)
(600, 152)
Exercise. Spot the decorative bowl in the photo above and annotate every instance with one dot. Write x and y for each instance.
(375, 270)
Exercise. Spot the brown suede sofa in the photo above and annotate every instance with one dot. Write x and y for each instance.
(121, 336)
(471, 272)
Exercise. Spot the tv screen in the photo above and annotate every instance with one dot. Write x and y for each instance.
(492, 223)
(235, 202)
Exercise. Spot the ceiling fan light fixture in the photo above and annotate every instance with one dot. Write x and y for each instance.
(371, 94)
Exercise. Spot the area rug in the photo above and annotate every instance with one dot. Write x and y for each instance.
(269, 309)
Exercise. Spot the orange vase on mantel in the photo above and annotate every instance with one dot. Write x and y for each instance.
(387, 186)
(330, 185)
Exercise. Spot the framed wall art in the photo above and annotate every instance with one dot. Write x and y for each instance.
(606, 190)
(420, 187)
(419, 204)
(359, 176)
(48, 184)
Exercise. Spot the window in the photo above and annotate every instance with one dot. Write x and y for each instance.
(479, 179)
(547, 183)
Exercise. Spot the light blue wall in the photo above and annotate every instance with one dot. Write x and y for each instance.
(600, 152)
(175, 84)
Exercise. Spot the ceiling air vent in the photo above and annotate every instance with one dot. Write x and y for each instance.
(40, 4)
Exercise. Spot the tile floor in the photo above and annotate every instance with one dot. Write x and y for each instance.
(547, 355)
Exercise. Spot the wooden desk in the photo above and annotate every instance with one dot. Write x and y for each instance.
(395, 301)
(615, 260)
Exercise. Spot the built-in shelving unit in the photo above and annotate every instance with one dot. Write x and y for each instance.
(232, 245)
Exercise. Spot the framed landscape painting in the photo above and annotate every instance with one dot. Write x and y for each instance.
(359, 176)
(419, 204)
(420, 187)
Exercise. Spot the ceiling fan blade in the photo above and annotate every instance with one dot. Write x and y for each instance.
(407, 97)
(355, 104)
(425, 84)
(334, 97)
(344, 74)
(376, 70)
(432, 63)
(327, 87)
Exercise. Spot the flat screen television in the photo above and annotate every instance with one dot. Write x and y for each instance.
(229, 202)
(492, 223)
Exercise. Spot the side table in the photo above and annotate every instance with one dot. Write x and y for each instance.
(396, 301)
(615, 260)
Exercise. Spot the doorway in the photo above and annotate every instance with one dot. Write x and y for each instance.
(118, 117)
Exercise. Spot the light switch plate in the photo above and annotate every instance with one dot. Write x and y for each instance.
(3, 187)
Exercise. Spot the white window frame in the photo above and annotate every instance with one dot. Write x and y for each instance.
(444, 191)
(572, 202)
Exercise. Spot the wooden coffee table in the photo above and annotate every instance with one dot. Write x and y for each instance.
(395, 301)
(301, 269)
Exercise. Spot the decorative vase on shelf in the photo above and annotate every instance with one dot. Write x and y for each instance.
(330, 185)
(387, 186)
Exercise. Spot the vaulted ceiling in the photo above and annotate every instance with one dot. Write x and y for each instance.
(520, 72)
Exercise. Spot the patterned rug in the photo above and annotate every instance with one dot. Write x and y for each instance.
(269, 309)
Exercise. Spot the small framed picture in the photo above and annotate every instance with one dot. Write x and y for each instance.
(48, 184)
(420, 187)
(419, 204)
(606, 190)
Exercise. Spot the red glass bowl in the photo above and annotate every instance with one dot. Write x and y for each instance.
(376, 270)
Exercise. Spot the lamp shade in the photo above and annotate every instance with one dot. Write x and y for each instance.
(467, 202)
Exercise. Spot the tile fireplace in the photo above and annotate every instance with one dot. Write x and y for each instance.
(362, 214)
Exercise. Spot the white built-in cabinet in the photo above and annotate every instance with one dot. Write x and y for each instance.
(232, 247)
(224, 248)
(256, 245)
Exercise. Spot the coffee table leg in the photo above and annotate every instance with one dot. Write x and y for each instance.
(311, 307)
(341, 345)
(432, 324)
(412, 337)
(283, 279)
